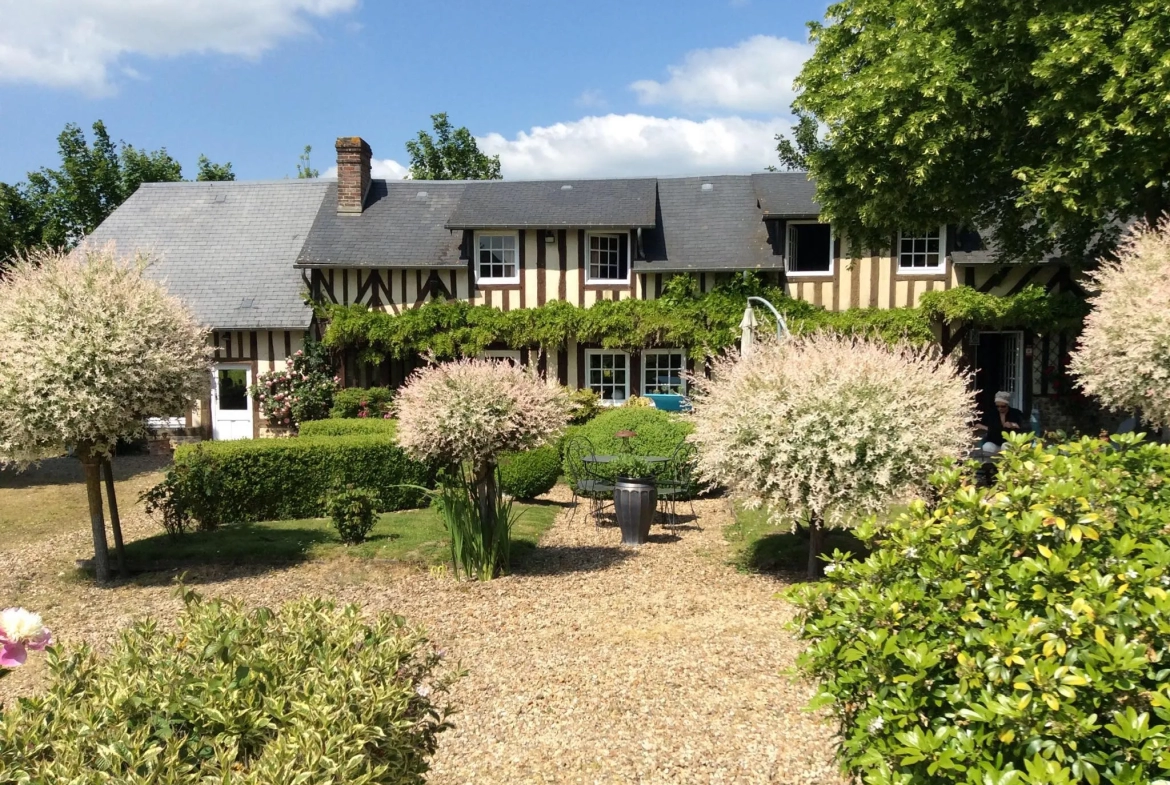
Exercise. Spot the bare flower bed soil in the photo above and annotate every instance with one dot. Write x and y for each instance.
(593, 664)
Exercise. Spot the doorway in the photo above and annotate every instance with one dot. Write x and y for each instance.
(231, 406)
(999, 365)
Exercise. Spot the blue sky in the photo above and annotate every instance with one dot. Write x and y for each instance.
(558, 89)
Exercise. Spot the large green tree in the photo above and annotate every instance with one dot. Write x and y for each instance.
(57, 207)
(21, 224)
(210, 171)
(451, 154)
(1047, 121)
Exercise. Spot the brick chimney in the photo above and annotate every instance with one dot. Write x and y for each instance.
(353, 174)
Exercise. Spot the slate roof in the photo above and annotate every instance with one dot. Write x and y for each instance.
(720, 228)
(548, 204)
(402, 225)
(227, 249)
(786, 194)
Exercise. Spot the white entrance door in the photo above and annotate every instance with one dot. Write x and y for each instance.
(1013, 367)
(231, 406)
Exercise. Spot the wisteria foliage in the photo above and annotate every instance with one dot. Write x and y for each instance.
(473, 410)
(1123, 358)
(89, 347)
(829, 427)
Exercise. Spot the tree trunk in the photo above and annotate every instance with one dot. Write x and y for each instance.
(816, 544)
(485, 492)
(115, 521)
(93, 490)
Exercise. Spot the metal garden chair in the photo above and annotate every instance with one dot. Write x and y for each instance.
(676, 483)
(589, 484)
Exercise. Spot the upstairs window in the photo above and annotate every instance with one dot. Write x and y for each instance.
(922, 252)
(496, 259)
(810, 248)
(609, 258)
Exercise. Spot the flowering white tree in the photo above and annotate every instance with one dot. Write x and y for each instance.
(89, 348)
(825, 429)
(471, 411)
(1123, 358)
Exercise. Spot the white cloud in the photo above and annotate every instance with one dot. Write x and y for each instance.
(380, 169)
(592, 99)
(79, 43)
(752, 76)
(637, 145)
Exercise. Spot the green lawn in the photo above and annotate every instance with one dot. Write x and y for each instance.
(761, 546)
(410, 536)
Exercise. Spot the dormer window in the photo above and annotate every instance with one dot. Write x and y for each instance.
(809, 249)
(495, 259)
(922, 252)
(608, 257)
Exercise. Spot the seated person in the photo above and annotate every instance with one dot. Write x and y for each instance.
(1005, 419)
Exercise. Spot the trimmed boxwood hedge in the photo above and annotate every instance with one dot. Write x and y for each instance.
(336, 427)
(275, 479)
(526, 475)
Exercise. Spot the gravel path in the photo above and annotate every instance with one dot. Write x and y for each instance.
(597, 664)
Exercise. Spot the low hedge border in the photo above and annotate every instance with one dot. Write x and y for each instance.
(277, 479)
(350, 427)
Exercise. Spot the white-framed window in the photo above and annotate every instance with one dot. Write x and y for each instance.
(607, 373)
(663, 372)
(923, 253)
(810, 248)
(496, 259)
(502, 355)
(607, 257)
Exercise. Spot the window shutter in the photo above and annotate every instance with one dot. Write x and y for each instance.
(791, 247)
(623, 255)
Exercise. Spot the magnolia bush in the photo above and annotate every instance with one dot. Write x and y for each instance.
(464, 415)
(1123, 358)
(825, 430)
(90, 348)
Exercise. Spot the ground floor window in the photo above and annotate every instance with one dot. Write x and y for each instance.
(662, 372)
(607, 374)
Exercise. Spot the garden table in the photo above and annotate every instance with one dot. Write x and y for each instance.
(612, 458)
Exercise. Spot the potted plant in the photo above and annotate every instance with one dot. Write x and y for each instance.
(635, 497)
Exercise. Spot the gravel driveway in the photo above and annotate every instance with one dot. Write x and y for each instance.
(597, 664)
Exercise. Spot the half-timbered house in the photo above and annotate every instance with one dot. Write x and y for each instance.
(247, 257)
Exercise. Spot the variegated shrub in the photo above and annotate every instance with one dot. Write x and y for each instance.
(1123, 357)
(826, 429)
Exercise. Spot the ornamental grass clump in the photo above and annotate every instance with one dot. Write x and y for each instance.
(463, 416)
(1014, 635)
(1123, 357)
(307, 693)
(825, 430)
(89, 348)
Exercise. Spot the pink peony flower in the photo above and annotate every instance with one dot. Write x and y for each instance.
(20, 631)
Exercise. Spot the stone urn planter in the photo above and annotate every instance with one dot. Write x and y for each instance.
(635, 498)
(634, 502)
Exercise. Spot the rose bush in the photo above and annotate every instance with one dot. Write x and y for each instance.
(301, 391)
